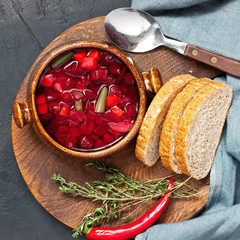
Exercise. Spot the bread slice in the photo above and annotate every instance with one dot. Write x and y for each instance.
(172, 119)
(147, 145)
(200, 129)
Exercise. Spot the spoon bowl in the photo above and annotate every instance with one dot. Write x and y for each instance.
(137, 31)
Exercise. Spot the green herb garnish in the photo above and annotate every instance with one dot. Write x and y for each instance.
(118, 193)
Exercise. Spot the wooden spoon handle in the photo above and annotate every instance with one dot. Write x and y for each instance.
(224, 64)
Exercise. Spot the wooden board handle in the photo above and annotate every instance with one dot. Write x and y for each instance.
(224, 64)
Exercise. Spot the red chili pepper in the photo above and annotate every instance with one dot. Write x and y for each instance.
(132, 229)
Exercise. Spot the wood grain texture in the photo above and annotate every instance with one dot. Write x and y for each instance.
(37, 162)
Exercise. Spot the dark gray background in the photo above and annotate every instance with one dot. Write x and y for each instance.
(26, 28)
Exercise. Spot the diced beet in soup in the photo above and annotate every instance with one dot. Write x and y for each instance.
(87, 102)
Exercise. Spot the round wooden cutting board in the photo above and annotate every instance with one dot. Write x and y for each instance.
(37, 162)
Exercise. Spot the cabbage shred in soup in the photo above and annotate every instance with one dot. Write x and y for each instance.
(87, 99)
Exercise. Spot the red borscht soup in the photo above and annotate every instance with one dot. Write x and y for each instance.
(87, 99)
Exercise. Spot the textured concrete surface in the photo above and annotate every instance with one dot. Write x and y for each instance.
(26, 28)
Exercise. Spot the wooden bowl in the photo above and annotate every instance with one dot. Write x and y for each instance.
(26, 113)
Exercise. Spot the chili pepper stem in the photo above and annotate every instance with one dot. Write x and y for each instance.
(87, 229)
(132, 229)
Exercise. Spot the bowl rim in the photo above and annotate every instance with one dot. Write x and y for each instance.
(141, 91)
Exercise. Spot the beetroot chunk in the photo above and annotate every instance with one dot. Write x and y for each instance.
(128, 78)
(115, 68)
(78, 116)
(100, 130)
(86, 142)
(89, 63)
(47, 80)
(108, 137)
(98, 144)
(87, 127)
(131, 111)
(51, 94)
(40, 99)
(42, 108)
(122, 127)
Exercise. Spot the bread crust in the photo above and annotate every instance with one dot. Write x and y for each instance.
(147, 145)
(187, 120)
(172, 119)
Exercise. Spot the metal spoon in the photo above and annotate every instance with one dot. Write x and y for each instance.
(137, 31)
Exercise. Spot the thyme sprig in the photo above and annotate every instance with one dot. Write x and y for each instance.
(117, 194)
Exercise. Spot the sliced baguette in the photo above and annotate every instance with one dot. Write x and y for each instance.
(172, 119)
(200, 129)
(147, 145)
